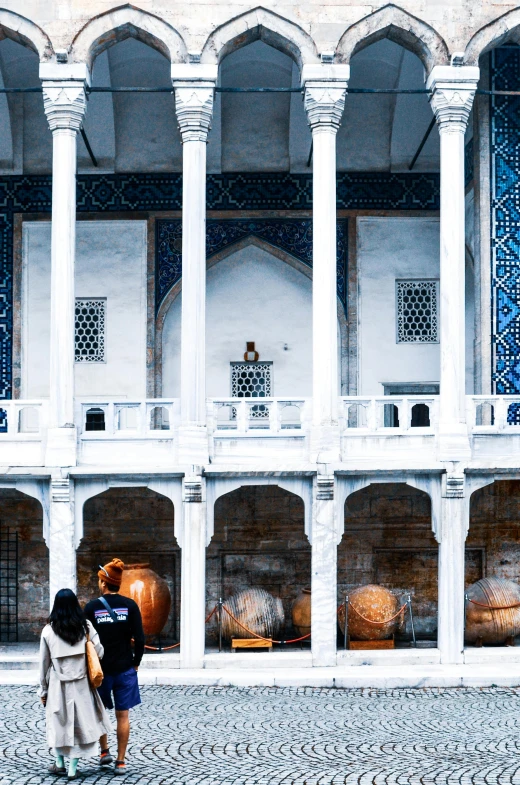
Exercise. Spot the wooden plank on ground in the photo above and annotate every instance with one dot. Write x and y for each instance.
(372, 645)
(250, 643)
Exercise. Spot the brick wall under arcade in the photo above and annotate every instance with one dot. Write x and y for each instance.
(259, 542)
(136, 525)
(495, 528)
(388, 541)
(23, 515)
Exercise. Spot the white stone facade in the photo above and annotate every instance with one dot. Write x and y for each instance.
(326, 433)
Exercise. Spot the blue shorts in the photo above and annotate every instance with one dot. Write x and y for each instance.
(125, 688)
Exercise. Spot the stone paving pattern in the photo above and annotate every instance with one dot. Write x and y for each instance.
(300, 736)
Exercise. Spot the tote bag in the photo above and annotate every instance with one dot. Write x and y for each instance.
(95, 674)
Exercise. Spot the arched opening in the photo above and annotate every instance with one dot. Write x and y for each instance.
(25, 139)
(260, 25)
(397, 25)
(131, 132)
(493, 546)
(388, 542)
(259, 542)
(24, 568)
(136, 525)
(105, 30)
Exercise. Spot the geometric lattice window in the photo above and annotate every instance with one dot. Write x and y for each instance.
(252, 380)
(417, 311)
(90, 330)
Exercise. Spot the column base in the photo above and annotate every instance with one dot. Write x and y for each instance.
(454, 444)
(192, 445)
(325, 444)
(61, 449)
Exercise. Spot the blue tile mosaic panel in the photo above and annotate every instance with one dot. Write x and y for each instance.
(288, 234)
(505, 222)
(163, 191)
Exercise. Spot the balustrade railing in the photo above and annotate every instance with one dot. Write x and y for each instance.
(154, 418)
(389, 415)
(493, 413)
(257, 415)
(23, 418)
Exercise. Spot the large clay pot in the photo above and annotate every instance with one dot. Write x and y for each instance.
(484, 625)
(376, 604)
(301, 612)
(150, 592)
(257, 610)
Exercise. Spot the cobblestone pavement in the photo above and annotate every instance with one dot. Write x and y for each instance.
(300, 736)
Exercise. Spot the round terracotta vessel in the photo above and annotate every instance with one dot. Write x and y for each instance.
(376, 604)
(150, 592)
(257, 610)
(484, 625)
(301, 612)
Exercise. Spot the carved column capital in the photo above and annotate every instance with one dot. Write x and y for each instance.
(453, 90)
(324, 103)
(325, 88)
(64, 94)
(65, 104)
(194, 86)
(194, 107)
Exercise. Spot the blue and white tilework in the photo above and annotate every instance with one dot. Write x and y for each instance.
(163, 191)
(505, 222)
(293, 235)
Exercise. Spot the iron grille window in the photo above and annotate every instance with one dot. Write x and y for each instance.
(252, 380)
(417, 311)
(8, 586)
(90, 330)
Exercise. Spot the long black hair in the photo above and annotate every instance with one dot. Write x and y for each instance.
(67, 619)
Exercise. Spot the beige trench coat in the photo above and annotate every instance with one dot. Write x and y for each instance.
(75, 715)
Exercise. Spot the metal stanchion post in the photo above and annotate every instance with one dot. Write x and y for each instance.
(466, 600)
(220, 623)
(411, 621)
(345, 633)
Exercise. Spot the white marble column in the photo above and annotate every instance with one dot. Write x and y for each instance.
(453, 89)
(193, 572)
(64, 101)
(194, 86)
(61, 541)
(324, 544)
(325, 87)
(454, 523)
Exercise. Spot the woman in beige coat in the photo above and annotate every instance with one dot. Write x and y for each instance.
(75, 715)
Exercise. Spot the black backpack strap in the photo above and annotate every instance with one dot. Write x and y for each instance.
(112, 613)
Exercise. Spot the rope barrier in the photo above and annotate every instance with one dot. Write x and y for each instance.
(369, 621)
(261, 637)
(495, 607)
(250, 632)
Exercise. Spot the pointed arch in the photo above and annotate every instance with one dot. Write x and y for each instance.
(260, 24)
(400, 27)
(127, 21)
(278, 253)
(505, 28)
(25, 32)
